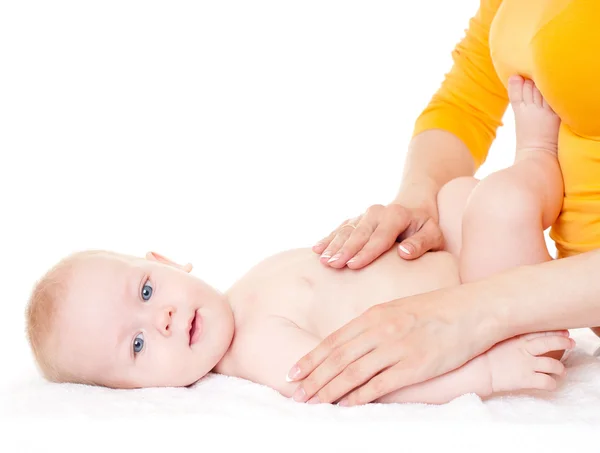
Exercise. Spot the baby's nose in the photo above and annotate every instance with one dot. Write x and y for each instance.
(164, 319)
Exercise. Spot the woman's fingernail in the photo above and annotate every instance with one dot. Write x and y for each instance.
(404, 249)
(344, 402)
(350, 261)
(293, 373)
(334, 258)
(299, 395)
(314, 400)
(317, 245)
(326, 254)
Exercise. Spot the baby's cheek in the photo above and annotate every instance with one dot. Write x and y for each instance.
(161, 366)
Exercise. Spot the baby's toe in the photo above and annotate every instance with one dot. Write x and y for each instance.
(528, 91)
(546, 105)
(515, 89)
(538, 99)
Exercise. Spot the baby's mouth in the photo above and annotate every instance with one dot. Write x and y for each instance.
(195, 328)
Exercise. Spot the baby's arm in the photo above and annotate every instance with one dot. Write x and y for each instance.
(270, 347)
(511, 365)
(472, 377)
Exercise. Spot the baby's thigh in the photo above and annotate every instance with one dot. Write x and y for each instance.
(452, 199)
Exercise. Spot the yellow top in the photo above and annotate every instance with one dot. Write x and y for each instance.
(556, 43)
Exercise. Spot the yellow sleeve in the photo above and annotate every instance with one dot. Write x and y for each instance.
(471, 100)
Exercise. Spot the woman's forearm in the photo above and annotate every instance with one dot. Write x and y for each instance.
(561, 294)
(434, 158)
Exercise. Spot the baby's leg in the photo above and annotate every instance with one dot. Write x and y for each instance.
(509, 366)
(452, 200)
(497, 224)
(514, 364)
(508, 211)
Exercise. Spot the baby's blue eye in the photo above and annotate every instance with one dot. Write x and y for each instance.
(147, 291)
(138, 343)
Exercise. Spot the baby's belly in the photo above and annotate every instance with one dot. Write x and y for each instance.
(388, 278)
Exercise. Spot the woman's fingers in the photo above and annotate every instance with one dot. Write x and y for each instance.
(380, 385)
(357, 243)
(359, 372)
(429, 237)
(394, 221)
(390, 346)
(307, 364)
(339, 370)
(352, 355)
(320, 246)
(375, 234)
(343, 233)
(356, 237)
(345, 245)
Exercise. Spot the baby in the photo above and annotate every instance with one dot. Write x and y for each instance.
(119, 321)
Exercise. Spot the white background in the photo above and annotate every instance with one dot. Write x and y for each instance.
(214, 132)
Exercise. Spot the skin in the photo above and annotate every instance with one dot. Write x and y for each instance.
(291, 298)
(109, 314)
(421, 337)
(118, 300)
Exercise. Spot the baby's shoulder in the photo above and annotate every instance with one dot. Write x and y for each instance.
(281, 261)
(271, 272)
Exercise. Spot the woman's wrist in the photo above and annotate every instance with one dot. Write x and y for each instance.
(501, 306)
(560, 294)
(434, 158)
(477, 315)
(418, 194)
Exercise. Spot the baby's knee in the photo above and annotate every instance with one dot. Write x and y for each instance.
(457, 189)
(452, 197)
(503, 198)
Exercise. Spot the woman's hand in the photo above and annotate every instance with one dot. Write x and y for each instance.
(394, 345)
(359, 241)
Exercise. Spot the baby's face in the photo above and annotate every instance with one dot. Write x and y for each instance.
(132, 322)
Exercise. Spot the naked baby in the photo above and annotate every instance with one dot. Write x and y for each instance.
(120, 321)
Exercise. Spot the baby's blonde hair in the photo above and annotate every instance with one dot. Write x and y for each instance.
(41, 310)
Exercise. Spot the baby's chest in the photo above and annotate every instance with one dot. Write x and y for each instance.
(289, 297)
(315, 301)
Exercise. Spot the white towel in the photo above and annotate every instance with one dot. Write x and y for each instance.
(237, 402)
(576, 399)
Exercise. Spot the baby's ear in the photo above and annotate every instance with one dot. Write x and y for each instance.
(153, 256)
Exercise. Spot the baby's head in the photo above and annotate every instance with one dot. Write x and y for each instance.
(119, 321)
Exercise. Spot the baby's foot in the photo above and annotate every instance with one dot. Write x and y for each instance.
(515, 364)
(536, 123)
